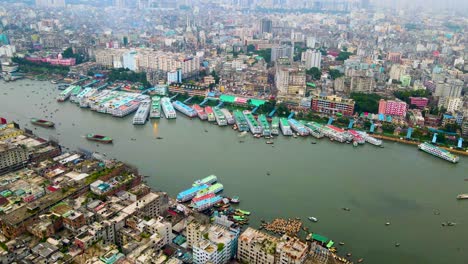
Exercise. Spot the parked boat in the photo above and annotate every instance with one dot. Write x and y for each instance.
(235, 199)
(155, 107)
(141, 115)
(462, 196)
(215, 188)
(299, 128)
(241, 122)
(254, 127)
(438, 152)
(42, 122)
(184, 109)
(219, 116)
(210, 114)
(167, 108)
(275, 125)
(190, 193)
(99, 138)
(229, 118)
(200, 112)
(313, 219)
(266, 131)
(207, 180)
(285, 127)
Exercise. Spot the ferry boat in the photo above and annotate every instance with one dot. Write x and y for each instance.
(357, 137)
(215, 188)
(219, 116)
(42, 122)
(65, 94)
(462, 196)
(266, 131)
(184, 109)
(314, 129)
(438, 152)
(285, 127)
(254, 127)
(235, 199)
(142, 113)
(81, 95)
(275, 125)
(9, 67)
(210, 114)
(99, 138)
(200, 112)
(298, 127)
(167, 108)
(74, 94)
(62, 86)
(241, 122)
(370, 139)
(207, 180)
(207, 203)
(188, 194)
(155, 107)
(230, 120)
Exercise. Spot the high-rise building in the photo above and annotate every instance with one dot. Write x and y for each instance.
(195, 231)
(419, 102)
(218, 246)
(392, 107)
(290, 80)
(174, 76)
(362, 84)
(394, 57)
(310, 42)
(453, 104)
(266, 26)
(284, 51)
(129, 60)
(312, 58)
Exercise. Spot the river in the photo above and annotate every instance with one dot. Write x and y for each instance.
(396, 184)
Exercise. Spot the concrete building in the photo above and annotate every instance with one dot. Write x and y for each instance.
(12, 157)
(7, 51)
(195, 233)
(150, 205)
(218, 246)
(161, 227)
(256, 247)
(266, 26)
(405, 80)
(453, 104)
(391, 107)
(129, 60)
(290, 80)
(291, 250)
(394, 57)
(312, 59)
(284, 51)
(174, 76)
(419, 102)
(332, 105)
(362, 84)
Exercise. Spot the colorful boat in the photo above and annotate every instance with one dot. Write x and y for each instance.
(219, 116)
(230, 120)
(206, 203)
(243, 212)
(184, 109)
(210, 114)
(438, 152)
(235, 199)
(275, 125)
(207, 180)
(168, 109)
(190, 193)
(241, 122)
(99, 138)
(215, 188)
(141, 115)
(299, 128)
(65, 94)
(357, 137)
(155, 107)
(266, 131)
(42, 122)
(285, 127)
(254, 127)
(200, 112)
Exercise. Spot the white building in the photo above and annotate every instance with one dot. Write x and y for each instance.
(12, 157)
(129, 60)
(453, 104)
(7, 51)
(290, 80)
(218, 246)
(161, 227)
(282, 52)
(312, 58)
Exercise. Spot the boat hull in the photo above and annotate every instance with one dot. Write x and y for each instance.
(105, 140)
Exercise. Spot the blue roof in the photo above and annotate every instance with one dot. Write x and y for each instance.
(191, 191)
(381, 117)
(447, 116)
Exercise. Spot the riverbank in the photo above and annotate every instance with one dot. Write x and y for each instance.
(409, 142)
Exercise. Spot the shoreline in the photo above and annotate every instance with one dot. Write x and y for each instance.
(408, 142)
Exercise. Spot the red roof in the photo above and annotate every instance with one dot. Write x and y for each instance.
(52, 188)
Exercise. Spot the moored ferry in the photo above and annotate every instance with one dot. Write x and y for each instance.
(266, 131)
(65, 94)
(298, 127)
(357, 137)
(227, 114)
(314, 129)
(184, 109)
(275, 125)
(141, 115)
(167, 108)
(206, 203)
(254, 127)
(190, 193)
(438, 152)
(42, 122)
(210, 114)
(74, 94)
(219, 116)
(241, 122)
(200, 112)
(370, 139)
(207, 180)
(155, 107)
(285, 127)
(215, 188)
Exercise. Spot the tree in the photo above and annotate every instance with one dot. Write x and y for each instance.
(365, 102)
(315, 73)
(344, 55)
(283, 110)
(68, 53)
(335, 74)
(451, 127)
(251, 48)
(215, 76)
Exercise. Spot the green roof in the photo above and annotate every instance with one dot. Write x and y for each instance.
(311, 84)
(227, 98)
(257, 102)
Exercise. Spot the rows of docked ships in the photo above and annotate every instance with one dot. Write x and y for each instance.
(118, 103)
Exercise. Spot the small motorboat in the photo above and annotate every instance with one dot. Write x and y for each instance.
(99, 138)
(313, 219)
(235, 199)
(159, 138)
(387, 224)
(346, 209)
(349, 255)
(341, 243)
(270, 142)
(360, 260)
(397, 244)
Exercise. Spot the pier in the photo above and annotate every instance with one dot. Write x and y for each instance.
(204, 102)
(90, 84)
(272, 113)
(79, 81)
(188, 100)
(330, 121)
(291, 115)
(102, 87)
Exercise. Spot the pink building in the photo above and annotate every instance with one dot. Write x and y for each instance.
(419, 102)
(394, 57)
(54, 61)
(394, 108)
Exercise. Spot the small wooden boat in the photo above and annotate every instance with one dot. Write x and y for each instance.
(42, 122)
(99, 138)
